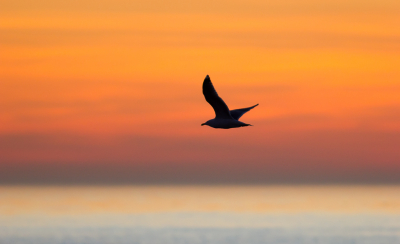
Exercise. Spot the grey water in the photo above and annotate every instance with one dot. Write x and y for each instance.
(200, 215)
(203, 228)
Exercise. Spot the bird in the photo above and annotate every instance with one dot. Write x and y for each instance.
(224, 118)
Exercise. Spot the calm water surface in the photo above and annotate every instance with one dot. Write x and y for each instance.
(200, 214)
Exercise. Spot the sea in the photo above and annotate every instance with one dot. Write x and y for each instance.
(184, 214)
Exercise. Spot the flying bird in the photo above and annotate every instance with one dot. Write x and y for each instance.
(224, 118)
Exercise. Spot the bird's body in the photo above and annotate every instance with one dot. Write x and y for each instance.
(224, 118)
(225, 123)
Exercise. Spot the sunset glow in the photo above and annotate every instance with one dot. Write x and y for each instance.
(117, 85)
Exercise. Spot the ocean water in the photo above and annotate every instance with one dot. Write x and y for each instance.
(197, 215)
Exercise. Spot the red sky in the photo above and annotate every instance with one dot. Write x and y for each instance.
(110, 91)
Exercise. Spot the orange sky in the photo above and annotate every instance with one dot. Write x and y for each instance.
(118, 84)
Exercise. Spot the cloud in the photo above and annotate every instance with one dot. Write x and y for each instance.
(313, 156)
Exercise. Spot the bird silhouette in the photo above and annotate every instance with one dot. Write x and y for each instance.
(224, 118)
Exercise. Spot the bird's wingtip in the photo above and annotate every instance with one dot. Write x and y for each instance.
(207, 79)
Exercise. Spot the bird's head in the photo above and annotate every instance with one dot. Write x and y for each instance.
(206, 123)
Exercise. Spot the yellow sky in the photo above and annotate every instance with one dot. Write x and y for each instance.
(242, 199)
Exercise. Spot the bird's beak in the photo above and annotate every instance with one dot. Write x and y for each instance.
(203, 124)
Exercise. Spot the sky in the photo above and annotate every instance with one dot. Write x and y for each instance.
(109, 92)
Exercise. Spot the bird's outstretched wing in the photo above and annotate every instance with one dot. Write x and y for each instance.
(219, 106)
(237, 113)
